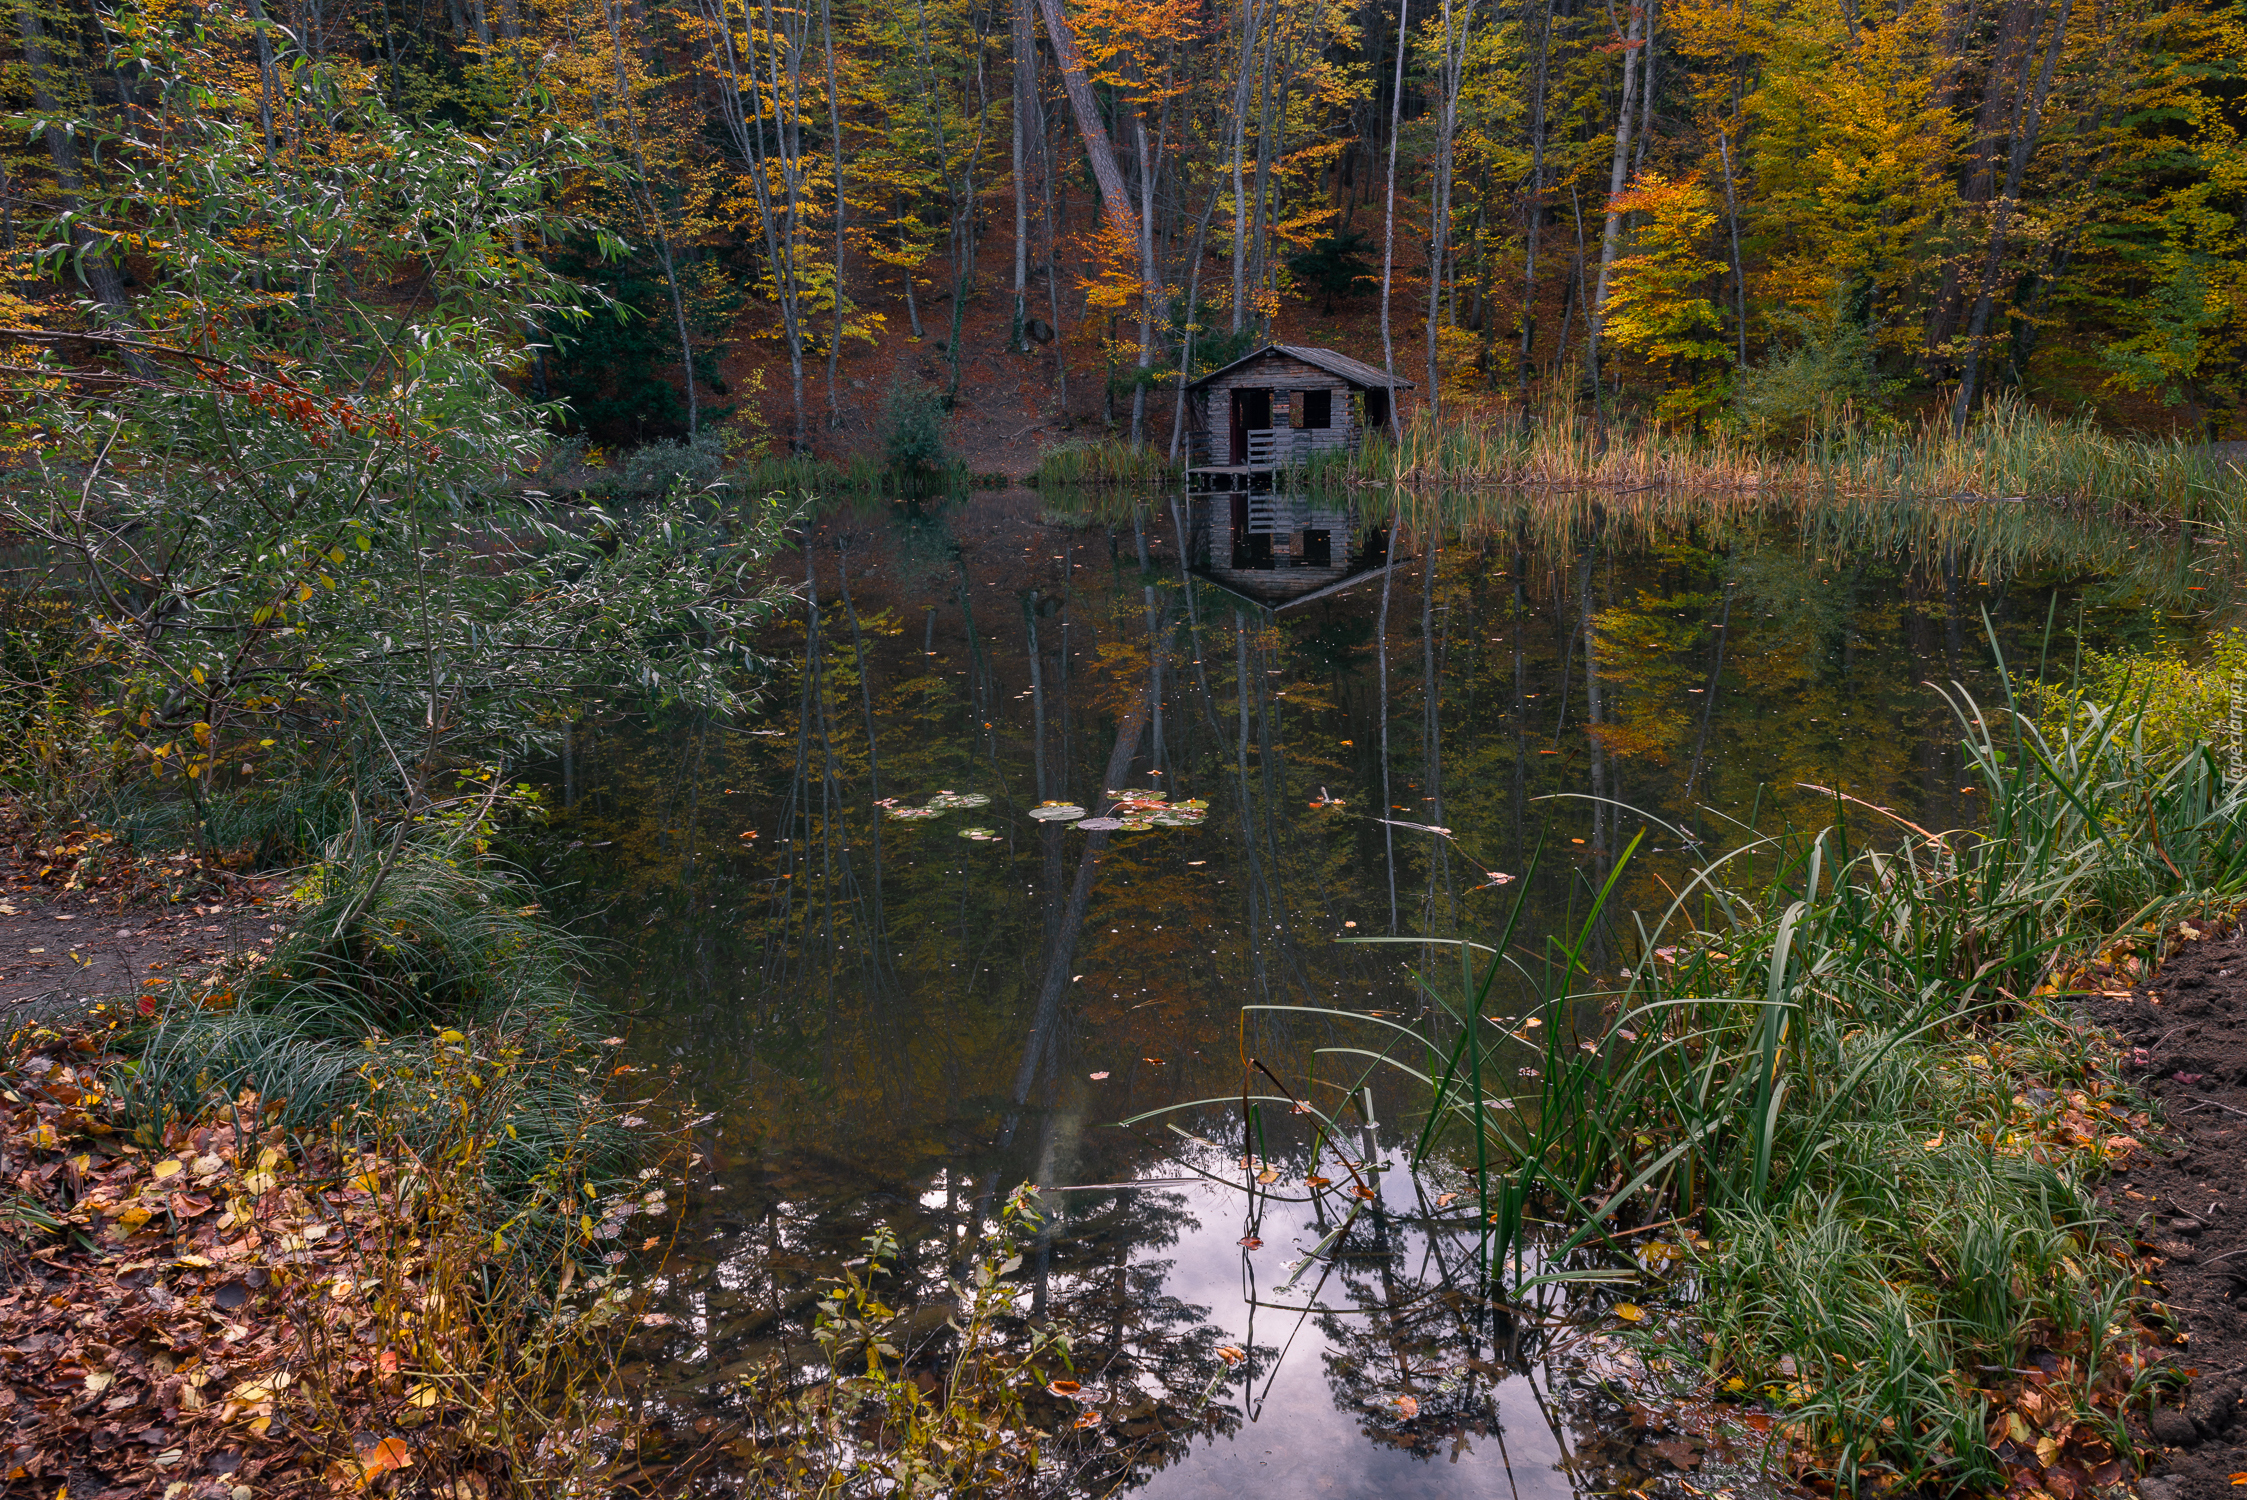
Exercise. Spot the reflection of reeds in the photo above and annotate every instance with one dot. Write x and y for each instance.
(2012, 450)
(2141, 558)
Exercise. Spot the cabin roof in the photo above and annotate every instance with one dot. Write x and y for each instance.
(1356, 372)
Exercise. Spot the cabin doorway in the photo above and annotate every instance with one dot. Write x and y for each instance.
(1252, 411)
(1376, 410)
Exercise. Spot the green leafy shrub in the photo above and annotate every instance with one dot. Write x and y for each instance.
(913, 430)
(2167, 701)
(1828, 378)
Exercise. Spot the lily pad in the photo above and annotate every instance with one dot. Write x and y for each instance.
(1057, 812)
(912, 812)
(1100, 825)
(1134, 825)
(946, 801)
(1176, 818)
(980, 834)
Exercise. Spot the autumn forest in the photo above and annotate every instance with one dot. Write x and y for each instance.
(1745, 212)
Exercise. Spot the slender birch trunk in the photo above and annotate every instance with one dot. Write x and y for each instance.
(2028, 115)
(1739, 278)
(1448, 78)
(835, 144)
(1533, 212)
(1611, 239)
(1389, 224)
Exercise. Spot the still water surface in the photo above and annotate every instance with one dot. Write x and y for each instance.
(895, 1024)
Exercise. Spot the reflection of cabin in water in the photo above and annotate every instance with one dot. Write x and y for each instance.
(1279, 549)
(1273, 409)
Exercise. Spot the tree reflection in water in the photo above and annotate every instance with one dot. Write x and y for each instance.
(892, 1025)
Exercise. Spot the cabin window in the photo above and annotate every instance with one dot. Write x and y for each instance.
(1314, 408)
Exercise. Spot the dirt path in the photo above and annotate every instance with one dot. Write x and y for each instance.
(80, 921)
(2188, 1028)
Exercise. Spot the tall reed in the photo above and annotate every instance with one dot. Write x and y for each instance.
(2012, 450)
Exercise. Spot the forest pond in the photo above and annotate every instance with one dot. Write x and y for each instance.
(895, 1013)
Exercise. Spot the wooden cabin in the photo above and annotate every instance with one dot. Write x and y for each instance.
(1277, 548)
(1273, 409)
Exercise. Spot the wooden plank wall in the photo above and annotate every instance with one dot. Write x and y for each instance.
(1282, 376)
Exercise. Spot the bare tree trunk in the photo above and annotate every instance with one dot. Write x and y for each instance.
(1533, 212)
(1448, 76)
(1252, 22)
(1025, 80)
(1389, 232)
(1612, 237)
(1739, 278)
(1186, 343)
(624, 103)
(93, 249)
(1259, 221)
(1150, 166)
(1094, 133)
(1053, 264)
(835, 144)
(2028, 115)
(1645, 91)
(778, 221)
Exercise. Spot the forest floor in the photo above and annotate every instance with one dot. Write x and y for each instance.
(81, 920)
(2187, 1027)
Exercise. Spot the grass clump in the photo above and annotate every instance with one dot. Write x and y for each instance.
(1842, 1057)
(1102, 461)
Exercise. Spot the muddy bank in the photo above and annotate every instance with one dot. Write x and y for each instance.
(2187, 1027)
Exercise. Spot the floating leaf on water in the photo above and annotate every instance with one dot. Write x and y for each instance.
(1318, 1182)
(1408, 1407)
(1133, 825)
(1087, 1419)
(1096, 1077)
(979, 834)
(1056, 812)
(1231, 1354)
(912, 812)
(1267, 1177)
(1445, 1200)
(946, 801)
(1630, 1312)
(1251, 1242)
(1066, 1389)
(1100, 825)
